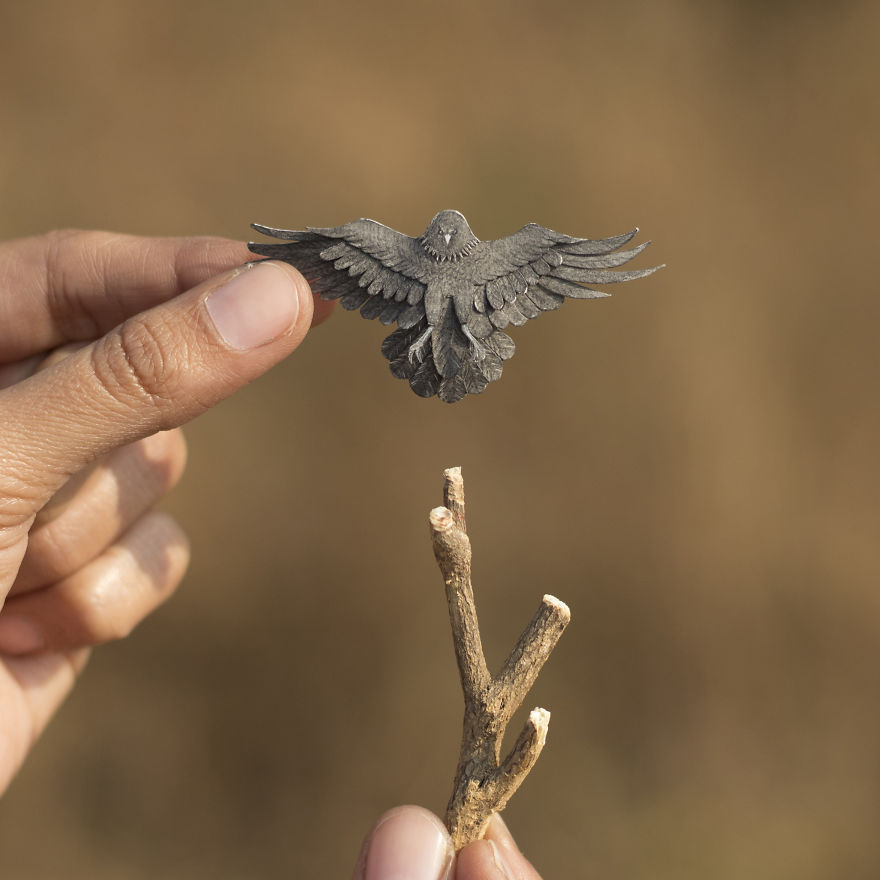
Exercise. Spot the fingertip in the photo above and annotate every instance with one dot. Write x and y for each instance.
(508, 855)
(323, 309)
(306, 299)
(314, 310)
(479, 861)
(407, 841)
(261, 303)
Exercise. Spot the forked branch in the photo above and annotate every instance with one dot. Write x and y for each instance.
(484, 783)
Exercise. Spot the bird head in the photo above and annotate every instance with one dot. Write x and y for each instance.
(448, 236)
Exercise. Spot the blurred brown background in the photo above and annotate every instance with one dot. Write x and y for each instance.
(691, 465)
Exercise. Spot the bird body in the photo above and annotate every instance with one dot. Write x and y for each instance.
(450, 294)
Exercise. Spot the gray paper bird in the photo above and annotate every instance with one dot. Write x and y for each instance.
(450, 294)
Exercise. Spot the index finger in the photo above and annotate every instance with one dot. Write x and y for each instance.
(70, 286)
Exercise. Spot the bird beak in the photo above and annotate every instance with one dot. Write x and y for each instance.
(447, 236)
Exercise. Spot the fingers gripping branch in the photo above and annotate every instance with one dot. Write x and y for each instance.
(483, 781)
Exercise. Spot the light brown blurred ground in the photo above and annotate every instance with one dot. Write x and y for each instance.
(695, 458)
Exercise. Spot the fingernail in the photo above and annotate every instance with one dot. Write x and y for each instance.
(257, 306)
(18, 635)
(409, 844)
(508, 857)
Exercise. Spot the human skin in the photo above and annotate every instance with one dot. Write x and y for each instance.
(410, 843)
(108, 344)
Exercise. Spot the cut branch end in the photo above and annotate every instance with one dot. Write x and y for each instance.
(483, 782)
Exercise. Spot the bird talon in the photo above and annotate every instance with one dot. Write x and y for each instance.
(415, 354)
(478, 352)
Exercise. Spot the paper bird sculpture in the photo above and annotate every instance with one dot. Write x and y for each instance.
(450, 294)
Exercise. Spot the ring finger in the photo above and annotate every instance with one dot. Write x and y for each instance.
(97, 506)
(106, 598)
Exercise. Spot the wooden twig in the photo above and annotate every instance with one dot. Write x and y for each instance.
(483, 782)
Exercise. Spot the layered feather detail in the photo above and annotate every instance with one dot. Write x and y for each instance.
(425, 377)
(484, 285)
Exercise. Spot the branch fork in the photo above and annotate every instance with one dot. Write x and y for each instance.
(484, 782)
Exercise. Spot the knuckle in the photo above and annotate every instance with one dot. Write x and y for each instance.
(140, 580)
(48, 557)
(99, 618)
(164, 454)
(63, 248)
(22, 490)
(175, 554)
(112, 628)
(107, 599)
(57, 238)
(136, 364)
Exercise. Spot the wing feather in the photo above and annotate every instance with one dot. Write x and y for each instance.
(410, 316)
(501, 344)
(535, 269)
(514, 315)
(390, 313)
(337, 252)
(480, 326)
(499, 318)
(363, 264)
(599, 276)
(371, 272)
(494, 294)
(492, 366)
(598, 245)
(397, 287)
(354, 300)
(372, 308)
(527, 305)
(289, 234)
(606, 261)
(567, 288)
(540, 266)
(546, 300)
(329, 288)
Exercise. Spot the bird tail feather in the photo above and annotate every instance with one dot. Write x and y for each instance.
(425, 378)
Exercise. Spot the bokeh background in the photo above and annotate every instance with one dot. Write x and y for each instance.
(691, 464)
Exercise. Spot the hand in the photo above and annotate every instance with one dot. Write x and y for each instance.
(106, 340)
(413, 843)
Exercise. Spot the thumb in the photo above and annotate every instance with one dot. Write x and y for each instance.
(157, 370)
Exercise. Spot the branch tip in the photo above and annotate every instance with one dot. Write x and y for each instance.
(540, 720)
(483, 782)
(441, 519)
(562, 610)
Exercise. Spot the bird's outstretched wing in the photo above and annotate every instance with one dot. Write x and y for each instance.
(535, 269)
(363, 264)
